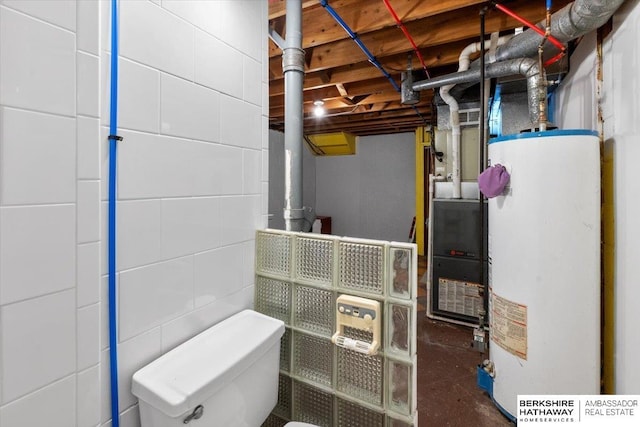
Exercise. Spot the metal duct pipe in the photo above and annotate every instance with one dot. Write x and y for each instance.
(570, 22)
(293, 70)
(527, 67)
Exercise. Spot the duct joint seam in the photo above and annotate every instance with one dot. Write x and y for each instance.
(293, 213)
(293, 59)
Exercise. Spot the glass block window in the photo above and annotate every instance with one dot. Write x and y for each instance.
(298, 278)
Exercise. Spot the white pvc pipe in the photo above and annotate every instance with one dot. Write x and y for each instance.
(454, 117)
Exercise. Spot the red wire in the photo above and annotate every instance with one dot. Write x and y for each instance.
(407, 35)
(534, 27)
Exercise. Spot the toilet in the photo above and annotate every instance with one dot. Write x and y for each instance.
(225, 376)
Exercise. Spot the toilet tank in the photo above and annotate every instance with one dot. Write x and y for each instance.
(231, 370)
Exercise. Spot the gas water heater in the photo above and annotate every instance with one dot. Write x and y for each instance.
(544, 266)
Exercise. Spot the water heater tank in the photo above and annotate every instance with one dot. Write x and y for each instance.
(544, 266)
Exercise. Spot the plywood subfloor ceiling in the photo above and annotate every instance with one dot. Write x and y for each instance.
(357, 97)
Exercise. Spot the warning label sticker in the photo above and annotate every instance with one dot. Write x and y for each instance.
(508, 325)
(460, 297)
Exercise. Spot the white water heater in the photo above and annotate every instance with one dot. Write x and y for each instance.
(544, 266)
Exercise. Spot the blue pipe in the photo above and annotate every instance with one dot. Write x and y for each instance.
(367, 52)
(113, 144)
(548, 4)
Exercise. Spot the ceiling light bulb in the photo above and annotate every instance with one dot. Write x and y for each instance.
(319, 110)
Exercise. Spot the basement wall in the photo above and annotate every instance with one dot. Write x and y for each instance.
(370, 194)
(192, 185)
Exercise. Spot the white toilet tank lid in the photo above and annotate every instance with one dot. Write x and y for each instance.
(186, 376)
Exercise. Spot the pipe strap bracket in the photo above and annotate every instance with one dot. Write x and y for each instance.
(292, 59)
(293, 213)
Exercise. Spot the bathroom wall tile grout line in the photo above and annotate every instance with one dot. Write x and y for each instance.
(42, 21)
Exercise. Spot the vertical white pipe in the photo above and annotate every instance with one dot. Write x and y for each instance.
(293, 70)
(454, 117)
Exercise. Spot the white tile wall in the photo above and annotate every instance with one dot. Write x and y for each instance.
(264, 177)
(155, 37)
(248, 259)
(227, 173)
(153, 166)
(242, 14)
(88, 341)
(132, 355)
(215, 63)
(181, 329)
(190, 184)
(197, 12)
(104, 309)
(88, 81)
(139, 233)
(189, 226)
(37, 65)
(152, 295)
(37, 251)
(88, 212)
(218, 273)
(239, 123)
(131, 416)
(252, 81)
(88, 148)
(51, 406)
(88, 397)
(88, 21)
(139, 97)
(252, 171)
(189, 110)
(37, 158)
(88, 274)
(240, 217)
(57, 12)
(38, 343)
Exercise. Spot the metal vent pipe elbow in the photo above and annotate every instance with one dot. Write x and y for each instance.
(527, 67)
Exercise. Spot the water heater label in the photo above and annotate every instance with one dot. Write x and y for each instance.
(508, 325)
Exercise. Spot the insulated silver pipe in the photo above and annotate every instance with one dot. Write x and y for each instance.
(570, 22)
(527, 67)
(293, 70)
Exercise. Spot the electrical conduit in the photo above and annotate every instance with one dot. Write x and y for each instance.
(372, 59)
(113, 144)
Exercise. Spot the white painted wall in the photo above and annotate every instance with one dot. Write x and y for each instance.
(576, 108)
(276, 179)
(372, 193)
(193, 184)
